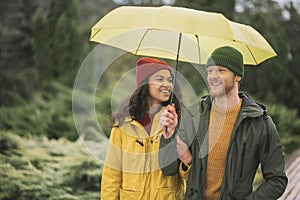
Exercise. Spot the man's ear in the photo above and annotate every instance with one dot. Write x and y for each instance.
(238, 78)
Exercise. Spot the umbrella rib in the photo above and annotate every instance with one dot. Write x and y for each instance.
(252, 55)
(92, 36)
(199, 52)
(140, 43)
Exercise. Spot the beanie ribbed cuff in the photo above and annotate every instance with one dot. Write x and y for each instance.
(228, 57)
(221, 60)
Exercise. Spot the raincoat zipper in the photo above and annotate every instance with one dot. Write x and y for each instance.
(243, 156)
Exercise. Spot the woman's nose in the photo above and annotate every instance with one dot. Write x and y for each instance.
(166, 82)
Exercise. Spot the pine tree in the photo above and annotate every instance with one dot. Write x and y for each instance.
(292, 29)
(18, 77)
(226, 7)
(58, 49)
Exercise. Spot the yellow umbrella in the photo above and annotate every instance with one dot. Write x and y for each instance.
(178, 33)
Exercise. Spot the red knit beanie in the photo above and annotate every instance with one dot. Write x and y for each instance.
(148, 66)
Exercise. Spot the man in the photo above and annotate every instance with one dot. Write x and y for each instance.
(232, 137)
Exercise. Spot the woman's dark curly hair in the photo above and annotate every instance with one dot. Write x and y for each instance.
(137, 105)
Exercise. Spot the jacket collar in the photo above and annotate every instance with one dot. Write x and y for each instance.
(249, 107)
(135, 128)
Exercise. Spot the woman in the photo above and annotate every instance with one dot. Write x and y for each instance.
(131, 169)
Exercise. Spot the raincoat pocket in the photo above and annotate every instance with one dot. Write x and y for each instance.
(129, 194)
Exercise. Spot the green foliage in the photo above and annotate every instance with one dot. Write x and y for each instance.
(41, 48)
(58, 42)
(288, 125)
(16, 34)
(9, 142)
(17, 77)
(292, 30)
(19, 86)
(90, 176)
(103, 110)
(59, 106)
(276, 80)
(225, 7)
(49, 114)
(45, 169)
(196, 75)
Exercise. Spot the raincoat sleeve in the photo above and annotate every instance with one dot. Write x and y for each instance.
(184, 173)
(272, 164)
(111, 174)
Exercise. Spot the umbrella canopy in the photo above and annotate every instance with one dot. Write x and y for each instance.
(178, 33)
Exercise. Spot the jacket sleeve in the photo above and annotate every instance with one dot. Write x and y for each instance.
(112, 172)
(272, 163)
(168, 158)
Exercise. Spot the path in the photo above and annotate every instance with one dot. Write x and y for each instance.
(292, 191)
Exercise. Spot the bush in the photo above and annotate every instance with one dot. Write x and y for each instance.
(84, 176)
(9, 142)
(49, 114)
(49, 169)
(17, 86)
(288, 125)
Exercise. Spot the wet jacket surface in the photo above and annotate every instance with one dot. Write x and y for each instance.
(254, 141)
(131, 169)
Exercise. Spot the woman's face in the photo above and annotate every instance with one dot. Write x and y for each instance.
(160, 87)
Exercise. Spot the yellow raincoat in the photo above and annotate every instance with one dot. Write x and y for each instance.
(131, 169)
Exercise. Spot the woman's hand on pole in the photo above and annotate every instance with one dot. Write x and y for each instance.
(169, 121)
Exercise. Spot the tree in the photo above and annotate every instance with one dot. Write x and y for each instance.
(226, 7)
(17, 77)
(58, 49)
(275, 80)
(292, 29)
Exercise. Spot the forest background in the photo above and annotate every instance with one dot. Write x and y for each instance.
(42, 46)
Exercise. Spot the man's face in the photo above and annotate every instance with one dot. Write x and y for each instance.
(221, 81)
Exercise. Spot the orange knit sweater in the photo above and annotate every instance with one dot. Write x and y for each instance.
(220, 128)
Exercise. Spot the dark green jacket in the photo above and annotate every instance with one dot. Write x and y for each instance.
(254, 141)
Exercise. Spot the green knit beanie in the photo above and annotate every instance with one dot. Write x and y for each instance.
(227, 57)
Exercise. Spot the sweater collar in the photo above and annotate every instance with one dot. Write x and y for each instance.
(249, 107)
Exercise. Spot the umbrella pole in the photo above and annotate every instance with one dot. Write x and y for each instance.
(176, 67)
